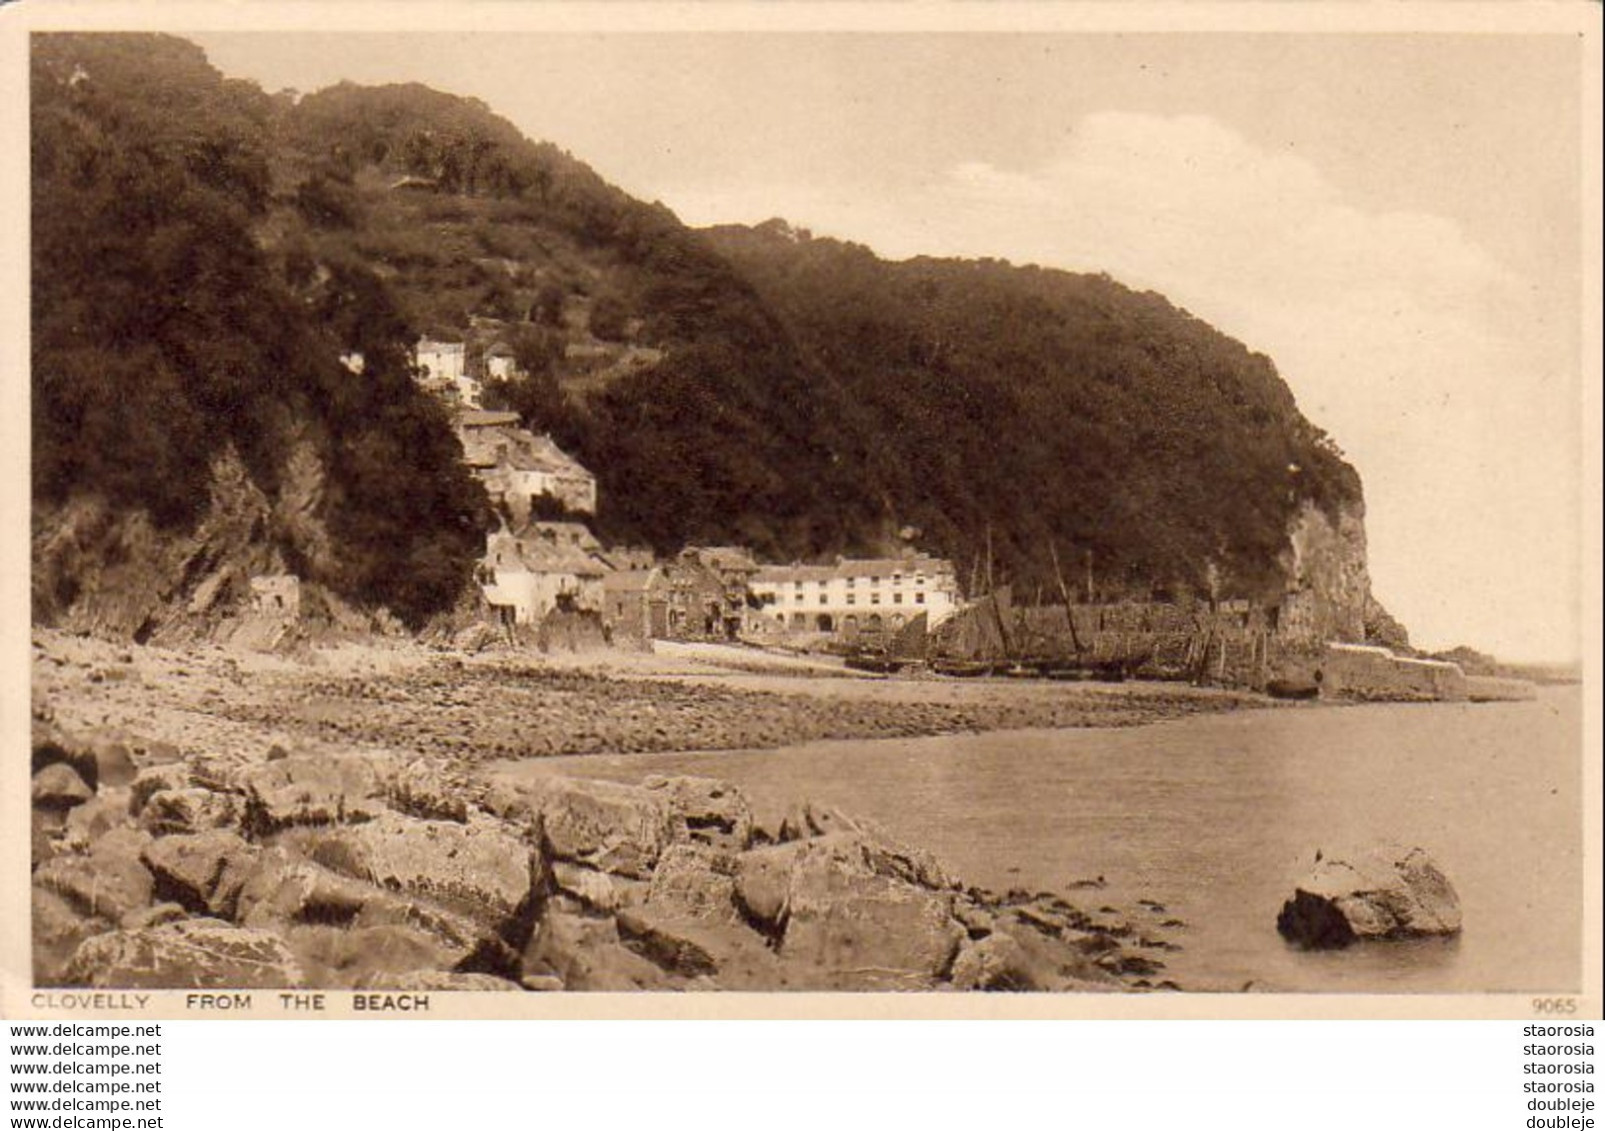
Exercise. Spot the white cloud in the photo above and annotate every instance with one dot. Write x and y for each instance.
(1421, 354)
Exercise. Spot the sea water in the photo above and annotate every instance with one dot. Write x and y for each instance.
(1218, 817)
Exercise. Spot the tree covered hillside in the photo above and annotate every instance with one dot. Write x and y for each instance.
(1055, 409)
(807, 398)
(164, 335)
(204, 253)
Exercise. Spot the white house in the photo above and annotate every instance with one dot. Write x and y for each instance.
(499, 363)
(443, 369)
(528, 572)
(858, 594)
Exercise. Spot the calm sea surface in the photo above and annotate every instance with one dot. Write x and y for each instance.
(1218, 817)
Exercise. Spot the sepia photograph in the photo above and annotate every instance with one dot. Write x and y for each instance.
(519, 512)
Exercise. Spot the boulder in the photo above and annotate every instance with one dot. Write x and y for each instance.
(673, 943)
(109, 883)
(203, 871)
(584, 952)
(857, 929)
(763, 883)
(996, 962)
(595, 889)
(114, 761)
(53, 747)
(58, 786)
(41, 839)
(482, 870)
(154, 779)
(1042, 960)
(706, 810)
(694, 881)
(368, 957)
(436, 981)
(611, 827)
(96, 817)
(59, 928)
(765, 877)
(191, 954)
(153, 916)
(701, 949)
(1384, 892)
(287, 892)
(306, 789)
(191, 810)
(428, 788)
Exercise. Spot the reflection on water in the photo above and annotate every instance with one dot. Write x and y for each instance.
(1218, 817)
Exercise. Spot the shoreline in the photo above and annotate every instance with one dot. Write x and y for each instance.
(196, 810)
(494, 707)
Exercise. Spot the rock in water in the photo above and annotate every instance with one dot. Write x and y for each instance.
(1381, 893)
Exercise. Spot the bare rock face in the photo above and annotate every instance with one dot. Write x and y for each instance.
(610, 827)
(1379, 893)
(193, 953)
(482, 870)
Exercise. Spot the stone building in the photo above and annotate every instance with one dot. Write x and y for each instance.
(858, 596)
(529, 571)
(518, 467)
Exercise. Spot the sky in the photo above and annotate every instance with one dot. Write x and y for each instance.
(1394, 219)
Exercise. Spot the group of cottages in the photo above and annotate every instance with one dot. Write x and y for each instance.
(858, 597)
(449, 371)
(518, 467)
(533, 568)
(704, 593)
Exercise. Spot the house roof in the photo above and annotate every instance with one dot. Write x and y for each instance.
(854, 568)
(509, 553)
(629, 580)
(724, 557)
(485, 418)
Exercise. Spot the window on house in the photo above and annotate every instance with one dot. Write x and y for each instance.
(919, 598)
(874, 598)
(852, 598)
(823, 599)
(897, 598)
